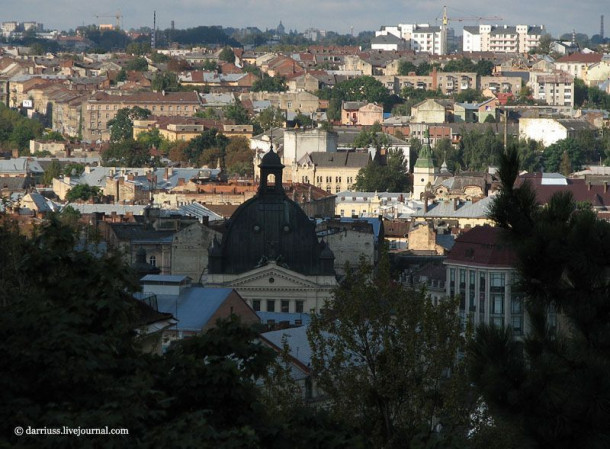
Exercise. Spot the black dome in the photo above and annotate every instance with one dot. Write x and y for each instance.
(270, 227)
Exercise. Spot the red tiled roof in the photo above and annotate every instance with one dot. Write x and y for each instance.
(595, 193)
(587, 58)
(482, 246)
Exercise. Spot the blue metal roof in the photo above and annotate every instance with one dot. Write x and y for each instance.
(194, 307)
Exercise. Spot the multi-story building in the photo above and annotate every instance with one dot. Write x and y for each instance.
(556, 89)
(501, 39)
(577, 64)
(333, 172)
(423, 38)
(481, 271)
(103, 107)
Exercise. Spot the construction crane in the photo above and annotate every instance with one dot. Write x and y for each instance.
(117, 16)
(445, 24)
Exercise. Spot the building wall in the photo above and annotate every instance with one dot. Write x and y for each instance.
(488, 295)
(428, 112)
(301, 294)
(189, 254)
(547, 131)
(349, 245)
(298, 142)
(233, 305)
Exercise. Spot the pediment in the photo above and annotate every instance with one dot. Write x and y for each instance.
(273, 276)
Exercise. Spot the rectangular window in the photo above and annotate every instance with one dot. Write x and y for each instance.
(299, 306)
(517, 324)
(497, 302)
(285, 306)
(516, 307)
(270, 305)
(256, 305)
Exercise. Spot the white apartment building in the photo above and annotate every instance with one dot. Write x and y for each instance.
(501, 39)
(423, 38)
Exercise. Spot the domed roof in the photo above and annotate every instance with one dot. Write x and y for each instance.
(271, 159)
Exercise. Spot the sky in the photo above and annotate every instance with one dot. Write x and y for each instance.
(342, 16)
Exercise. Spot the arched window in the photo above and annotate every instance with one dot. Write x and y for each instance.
(152, 260)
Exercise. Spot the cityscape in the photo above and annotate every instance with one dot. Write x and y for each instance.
(305, 233)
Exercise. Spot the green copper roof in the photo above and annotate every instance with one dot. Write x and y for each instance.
(424, 159)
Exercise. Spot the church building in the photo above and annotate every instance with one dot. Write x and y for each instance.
(270, 252)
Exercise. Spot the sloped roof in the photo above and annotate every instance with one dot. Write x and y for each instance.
(584, 58)
(194, 307)
(340, 159)
(482, 246)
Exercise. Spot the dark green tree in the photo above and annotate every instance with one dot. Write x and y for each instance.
(121, 126)
(553, 154)
(388, 177)
(460, 65)
(406, 67)
(71, 315)
(237, 113)
(269, 84)
(52, 171)
(127, 153)
(165, 82)
(82, 192)
(227, 55)
(484, 67)
(382, 354)
(138, 64)
(552, 387)
(207, 147)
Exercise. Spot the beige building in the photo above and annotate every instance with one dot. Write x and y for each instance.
(101, 107)
(361, 113)
(422, 237)
(304, 102)
(429, 111)
(556, 89)
(189, 251)
(333, 172)
(500, 84)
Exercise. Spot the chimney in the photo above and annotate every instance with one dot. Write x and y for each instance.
(588, 185)
(181, 181)
(605, 186)
(87, 169)
(166, 174)
(131, 177)
(455, 204)
(425, 204)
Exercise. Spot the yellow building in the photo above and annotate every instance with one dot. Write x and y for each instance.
(330, 171)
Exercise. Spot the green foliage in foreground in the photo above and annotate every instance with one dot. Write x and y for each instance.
(70, 358)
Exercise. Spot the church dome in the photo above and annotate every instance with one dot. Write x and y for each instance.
(270, 227)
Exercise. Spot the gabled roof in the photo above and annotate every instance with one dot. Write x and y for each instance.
(194, 307)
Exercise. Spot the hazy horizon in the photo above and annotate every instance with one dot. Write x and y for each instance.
(559, 17)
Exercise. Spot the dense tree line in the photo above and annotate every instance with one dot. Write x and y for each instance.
(16, 130)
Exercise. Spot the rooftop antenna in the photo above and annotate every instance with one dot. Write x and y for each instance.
(601, 28)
